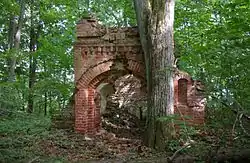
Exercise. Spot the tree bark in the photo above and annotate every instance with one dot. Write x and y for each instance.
(155, 20)
(34, 34)
(14, 40)
(11, 32)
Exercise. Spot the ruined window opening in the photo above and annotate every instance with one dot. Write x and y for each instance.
(182, 91)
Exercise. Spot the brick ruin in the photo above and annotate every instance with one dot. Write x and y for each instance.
(102, 55)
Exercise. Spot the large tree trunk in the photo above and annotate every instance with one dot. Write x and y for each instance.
(14, 40)
(155, 22)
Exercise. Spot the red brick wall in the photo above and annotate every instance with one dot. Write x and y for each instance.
(95, 51)
(188, 100)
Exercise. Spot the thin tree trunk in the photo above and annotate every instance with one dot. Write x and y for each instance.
(155, 22)
(31, 61)
(50, 101)
(11, 58)
(32, 58)
(14, 38)
(64, 82)
(46, 93)
(45, 103)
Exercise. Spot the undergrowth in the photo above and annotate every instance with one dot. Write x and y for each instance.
(29, 138)
(220, 134)
(20, 134)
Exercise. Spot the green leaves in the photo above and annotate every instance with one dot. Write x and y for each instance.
(214, 35)
(114, 12)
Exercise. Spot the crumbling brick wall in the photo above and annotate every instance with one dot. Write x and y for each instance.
(102, 55)
(189, 100)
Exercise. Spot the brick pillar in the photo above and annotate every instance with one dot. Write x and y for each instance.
(87, 119)
(175, 92)
(91, 111)
(80, 110)
(97, 119)
(97, 110)
(175, 96)
(191, 94)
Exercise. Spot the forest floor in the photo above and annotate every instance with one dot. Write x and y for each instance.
(29, 138)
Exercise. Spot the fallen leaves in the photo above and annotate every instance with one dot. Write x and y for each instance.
(119, 139)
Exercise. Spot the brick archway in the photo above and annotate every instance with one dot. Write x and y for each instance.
(103, 54)
(96, 50)
(96, 74)
(87, 109)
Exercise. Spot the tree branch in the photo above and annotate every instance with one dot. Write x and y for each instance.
(187, 145)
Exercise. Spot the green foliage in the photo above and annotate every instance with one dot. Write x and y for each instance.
(53, 57)
(20, 133)
(23, 123)
(211, 39)
(54, 22)
(11, 96)
(213, 43)
(114, 12)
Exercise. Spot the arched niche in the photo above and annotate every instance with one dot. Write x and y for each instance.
(182, 91)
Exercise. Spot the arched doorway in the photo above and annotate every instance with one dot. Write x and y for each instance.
(87, 106)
